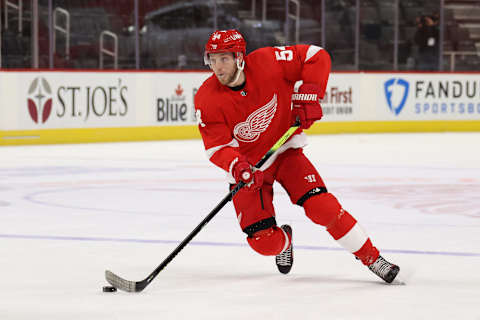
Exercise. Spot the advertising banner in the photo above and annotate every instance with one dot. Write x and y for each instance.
(50, 100)
(172, 97)
(116, 105)
(423, 97)
(342, 98)
(75, 100)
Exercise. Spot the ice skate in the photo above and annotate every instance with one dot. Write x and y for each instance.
(284, 260)
(384, 269)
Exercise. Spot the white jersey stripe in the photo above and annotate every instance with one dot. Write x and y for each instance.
(312, 50)
(354, 239)
(210, 152)
(297, 141)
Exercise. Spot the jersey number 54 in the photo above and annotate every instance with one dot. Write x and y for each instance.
(284, 54)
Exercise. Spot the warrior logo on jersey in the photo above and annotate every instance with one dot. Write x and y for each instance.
(256, 123)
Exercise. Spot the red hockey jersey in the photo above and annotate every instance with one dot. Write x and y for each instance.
(250, 121)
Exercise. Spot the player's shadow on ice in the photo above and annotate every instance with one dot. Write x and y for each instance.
(335, 280)
(291, 278)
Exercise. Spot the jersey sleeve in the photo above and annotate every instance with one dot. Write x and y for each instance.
(221, 147)
(309, 63)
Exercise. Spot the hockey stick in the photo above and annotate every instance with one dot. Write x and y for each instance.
(137, 286)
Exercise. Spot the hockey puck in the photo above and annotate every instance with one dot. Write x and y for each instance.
(109, 289)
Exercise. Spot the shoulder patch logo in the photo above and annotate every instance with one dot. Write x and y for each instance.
(256, 123)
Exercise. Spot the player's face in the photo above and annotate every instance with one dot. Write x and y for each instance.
(224, 66)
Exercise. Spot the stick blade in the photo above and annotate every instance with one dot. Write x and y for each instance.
(120, 283)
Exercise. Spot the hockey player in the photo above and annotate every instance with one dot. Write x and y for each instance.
(242, 110)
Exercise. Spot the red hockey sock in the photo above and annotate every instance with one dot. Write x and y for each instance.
(343, 223)
(367, 253)
(352, 237)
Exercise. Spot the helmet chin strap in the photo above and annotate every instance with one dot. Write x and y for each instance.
(240, 66)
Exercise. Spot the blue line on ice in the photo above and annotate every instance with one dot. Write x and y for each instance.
(224, 244)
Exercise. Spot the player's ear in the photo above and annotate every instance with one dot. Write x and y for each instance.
(240, 56)
(239, 60)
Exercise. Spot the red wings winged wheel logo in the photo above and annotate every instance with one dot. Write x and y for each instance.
(256, 123)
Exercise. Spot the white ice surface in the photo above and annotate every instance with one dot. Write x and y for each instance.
(69, 212)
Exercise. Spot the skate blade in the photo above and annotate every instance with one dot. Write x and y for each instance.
(404, 276)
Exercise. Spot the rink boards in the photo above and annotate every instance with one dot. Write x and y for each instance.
(78, 106)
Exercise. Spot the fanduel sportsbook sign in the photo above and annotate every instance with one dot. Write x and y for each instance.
(429, 96)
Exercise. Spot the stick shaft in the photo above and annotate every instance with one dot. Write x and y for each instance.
(220, 205)
(192, 234)
(140, 285)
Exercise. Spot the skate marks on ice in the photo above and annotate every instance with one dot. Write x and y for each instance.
(461, 198)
